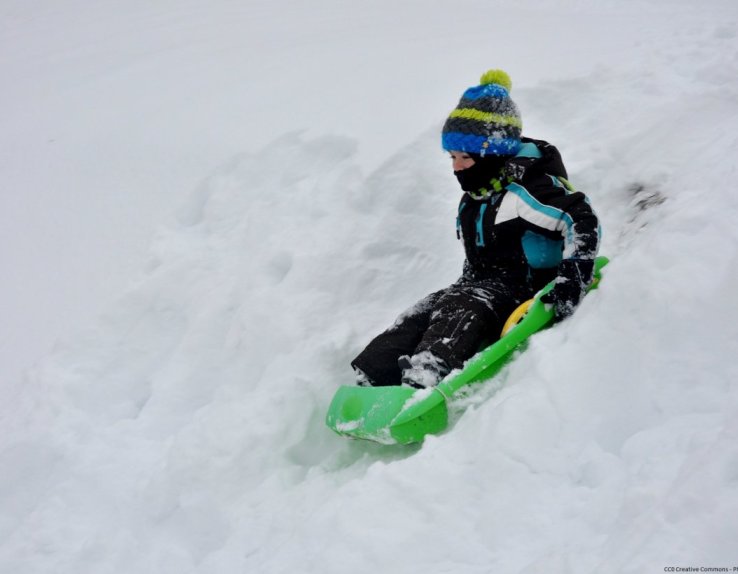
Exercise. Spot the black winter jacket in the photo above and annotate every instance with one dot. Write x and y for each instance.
(522, 233)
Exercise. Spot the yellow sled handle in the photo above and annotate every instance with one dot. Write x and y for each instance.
(516, 316)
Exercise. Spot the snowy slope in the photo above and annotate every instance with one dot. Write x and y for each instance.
(111, 112)
(184, 431)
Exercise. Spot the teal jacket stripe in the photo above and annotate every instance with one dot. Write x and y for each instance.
(480, 225)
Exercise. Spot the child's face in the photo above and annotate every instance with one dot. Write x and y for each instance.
(461, 160)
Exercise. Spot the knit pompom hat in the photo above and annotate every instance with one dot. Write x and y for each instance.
(486, 121)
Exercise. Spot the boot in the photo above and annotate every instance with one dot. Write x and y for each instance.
(362, 379)
(422, 370)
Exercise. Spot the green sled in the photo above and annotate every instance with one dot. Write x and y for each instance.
(404, 415)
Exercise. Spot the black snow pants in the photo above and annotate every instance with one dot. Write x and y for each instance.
(452, 323)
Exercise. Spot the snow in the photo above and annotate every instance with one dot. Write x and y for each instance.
(281, 161)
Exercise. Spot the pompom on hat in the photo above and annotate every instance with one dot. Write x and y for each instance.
(486, 121)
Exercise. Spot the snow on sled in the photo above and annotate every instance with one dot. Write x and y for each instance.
(404, 415)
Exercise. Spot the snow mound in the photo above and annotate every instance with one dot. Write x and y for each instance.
(184, 433)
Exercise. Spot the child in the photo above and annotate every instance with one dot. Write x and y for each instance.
(521, 224)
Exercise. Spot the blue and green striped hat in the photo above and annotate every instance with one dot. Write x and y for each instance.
(486, 121)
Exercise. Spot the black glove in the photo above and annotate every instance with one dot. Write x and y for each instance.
(574, 276)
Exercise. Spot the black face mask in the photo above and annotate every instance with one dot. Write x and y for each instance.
(484, 170)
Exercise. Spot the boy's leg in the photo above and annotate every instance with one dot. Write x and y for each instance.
(378, 361)
(464, 317)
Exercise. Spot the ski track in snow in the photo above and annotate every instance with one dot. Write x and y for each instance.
(184, 432)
